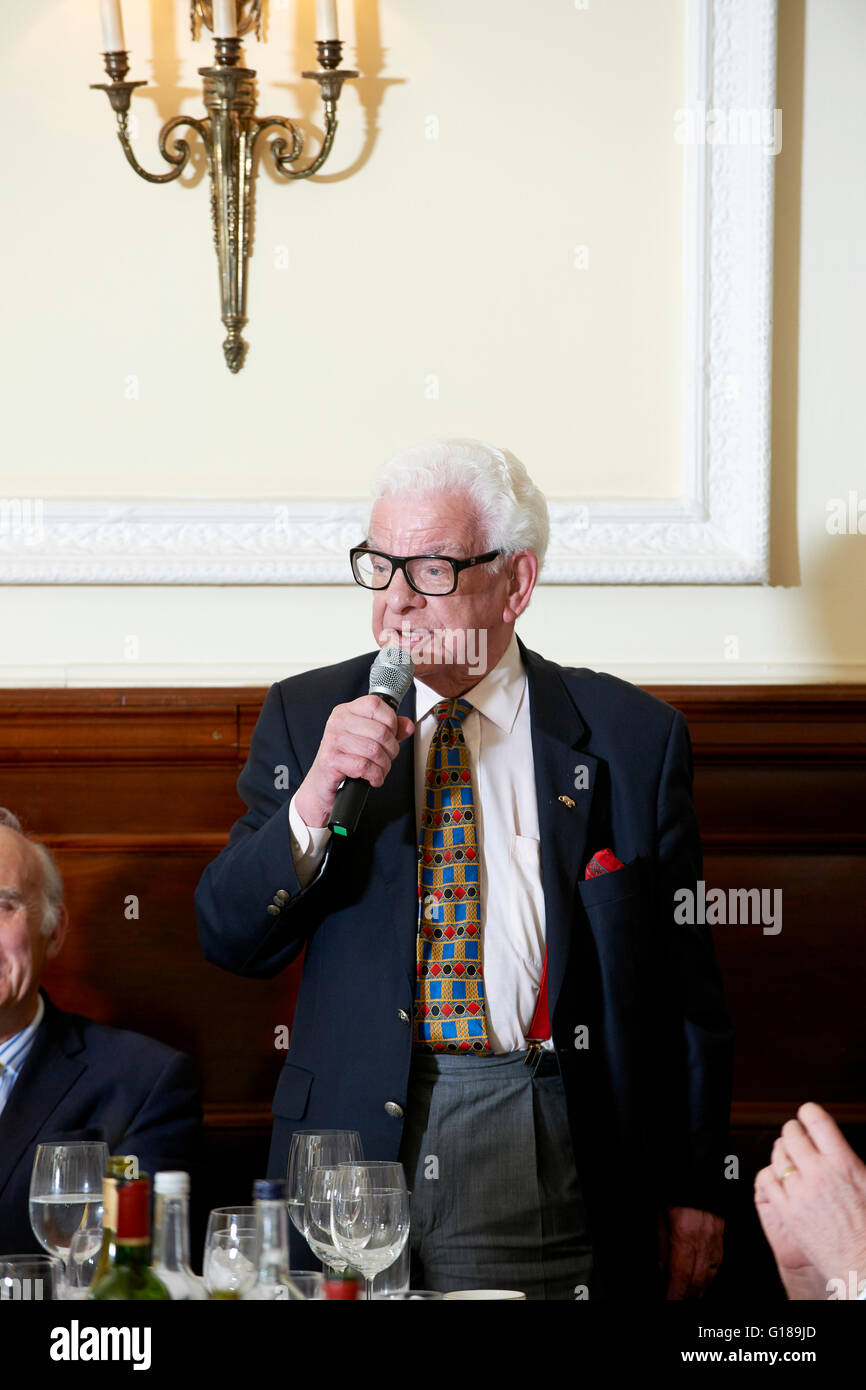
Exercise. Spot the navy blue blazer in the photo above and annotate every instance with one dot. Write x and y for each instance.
(649, 1096)
(85, 1080)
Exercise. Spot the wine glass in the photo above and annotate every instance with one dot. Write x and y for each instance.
(229, 1265)
(66, 1194)
(317, 1218)
(81, 1263)
(310, 1148)
(369, 1216)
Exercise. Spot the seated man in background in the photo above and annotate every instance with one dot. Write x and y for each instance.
(811, 1201)
(64, 1077)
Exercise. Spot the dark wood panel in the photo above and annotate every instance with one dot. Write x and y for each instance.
(768, 724)
(796, 996)
(792, 805)
(57, 797)
(147, 972)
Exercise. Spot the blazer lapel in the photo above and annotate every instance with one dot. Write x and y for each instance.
(51, 1070)
(557, 732)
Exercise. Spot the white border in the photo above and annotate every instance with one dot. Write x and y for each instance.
(716, 531)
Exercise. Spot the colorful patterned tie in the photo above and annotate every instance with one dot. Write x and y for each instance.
(449, 1001)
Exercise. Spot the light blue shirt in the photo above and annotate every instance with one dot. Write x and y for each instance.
(15, 1051)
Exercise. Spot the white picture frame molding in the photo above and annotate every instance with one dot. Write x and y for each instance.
(715, 532)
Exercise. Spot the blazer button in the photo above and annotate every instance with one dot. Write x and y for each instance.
(394, 1109)
(403, 1016)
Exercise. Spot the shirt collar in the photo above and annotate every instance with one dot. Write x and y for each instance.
(497, 695)
(12, 1046)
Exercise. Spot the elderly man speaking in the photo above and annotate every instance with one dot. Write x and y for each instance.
(495, 990)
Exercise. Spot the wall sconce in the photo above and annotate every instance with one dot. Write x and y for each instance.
(229, 131)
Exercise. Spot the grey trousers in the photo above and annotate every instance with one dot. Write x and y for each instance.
(496, 1201)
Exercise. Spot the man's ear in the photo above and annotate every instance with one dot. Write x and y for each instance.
(58, 936)
(524, 573)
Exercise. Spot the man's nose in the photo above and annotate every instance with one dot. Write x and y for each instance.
(401, 595)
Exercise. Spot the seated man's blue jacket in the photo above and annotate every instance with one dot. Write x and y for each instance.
(84, 1080)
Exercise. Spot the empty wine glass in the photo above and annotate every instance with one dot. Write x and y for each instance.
(317, 1218)
(229, 1264)
(369, 1216)
(312, 1148)
(66, 1194)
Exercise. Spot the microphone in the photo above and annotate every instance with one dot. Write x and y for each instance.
(390, 677)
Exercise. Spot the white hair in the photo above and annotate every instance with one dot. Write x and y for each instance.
(52, 882)
(511, 510)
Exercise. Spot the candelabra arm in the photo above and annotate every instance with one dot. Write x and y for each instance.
(279, 148)
(284, 158)
(177, 157)
(229, 132)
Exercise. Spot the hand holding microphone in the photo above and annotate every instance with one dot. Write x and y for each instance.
(360, 742)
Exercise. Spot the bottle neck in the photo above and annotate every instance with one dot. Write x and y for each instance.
(272, 1238)
(171, 1239)
(135, 1255)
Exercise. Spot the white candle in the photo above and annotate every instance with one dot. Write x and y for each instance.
(326, 20)
(225, 19)
(112, 26)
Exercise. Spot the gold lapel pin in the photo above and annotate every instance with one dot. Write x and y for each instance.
(568, 801)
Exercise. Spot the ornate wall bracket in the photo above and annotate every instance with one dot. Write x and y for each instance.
(229, 133)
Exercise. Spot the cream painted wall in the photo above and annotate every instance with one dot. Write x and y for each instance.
(527, 350)
(420, 286)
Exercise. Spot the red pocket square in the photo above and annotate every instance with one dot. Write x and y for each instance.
(604, 861)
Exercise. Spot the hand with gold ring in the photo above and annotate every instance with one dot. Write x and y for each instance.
(811, 1201)
(796, 1271)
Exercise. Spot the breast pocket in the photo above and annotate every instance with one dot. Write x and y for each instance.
(618, 908)
(631, 881)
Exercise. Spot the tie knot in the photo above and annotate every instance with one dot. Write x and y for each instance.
(448, 711)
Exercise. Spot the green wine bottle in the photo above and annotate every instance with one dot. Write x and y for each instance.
(117, 1170)
(129, 1277)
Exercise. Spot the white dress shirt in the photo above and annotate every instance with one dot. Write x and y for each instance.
(15, 1051)
(499, 741)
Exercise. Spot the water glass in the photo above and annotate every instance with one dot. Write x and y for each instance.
(370, 1216)
(229, 1264)
(313, 1148)
(66, 1194)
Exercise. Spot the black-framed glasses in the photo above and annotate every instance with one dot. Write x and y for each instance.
(426, 574)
